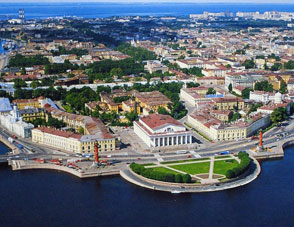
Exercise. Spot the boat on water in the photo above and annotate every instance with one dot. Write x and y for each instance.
(175, 192)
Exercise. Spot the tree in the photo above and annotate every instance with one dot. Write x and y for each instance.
(276, 67)
(23, 71)
(264, 86)
(230, 174)
(81, 130)
(178, 178)
(196, 71)
(235, 117)
(279, 115)
(116, 72)
(187, 178)
(253, 108)
(289, 65)
(192, 84)
(132, 116)
(283, 88)
(249, 64)
(211, 91)
(34, 84)
(19, 83)
(162, 110)
(230, 87)
(246, 93)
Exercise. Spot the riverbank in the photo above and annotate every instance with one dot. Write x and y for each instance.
(136, 179)
(95, 172)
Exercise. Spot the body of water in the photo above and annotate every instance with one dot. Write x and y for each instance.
(3, 148)
(93, 10)
(49, 198)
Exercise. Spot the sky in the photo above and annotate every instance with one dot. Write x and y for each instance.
(158, 1)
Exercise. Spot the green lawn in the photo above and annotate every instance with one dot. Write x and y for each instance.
(189, 160)
(164, 170)
(194, 168)
(221, 167)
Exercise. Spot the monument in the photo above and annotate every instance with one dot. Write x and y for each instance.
(260, 147)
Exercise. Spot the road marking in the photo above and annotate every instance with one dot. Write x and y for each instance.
(157, 156)
(195, 154)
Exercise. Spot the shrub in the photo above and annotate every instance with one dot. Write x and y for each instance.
(241, 168)
(178, 178)
(230, 174)
(169, 177)
(160, 176)
(187, 178)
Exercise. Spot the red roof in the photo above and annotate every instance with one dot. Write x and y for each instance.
(59, 132)
(156, 120)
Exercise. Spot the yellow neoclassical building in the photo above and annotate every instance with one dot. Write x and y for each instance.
(229, 103)
(70, 141)
(31, 114)
(218, 131)
(94, 130)
(152, 100)
(25, 103)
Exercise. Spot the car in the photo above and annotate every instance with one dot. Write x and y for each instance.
(189, 156)
(224, 153)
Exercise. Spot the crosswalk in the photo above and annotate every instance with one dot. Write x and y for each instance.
(195, 154)
(157, 156)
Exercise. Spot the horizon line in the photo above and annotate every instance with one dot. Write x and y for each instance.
(154, 1)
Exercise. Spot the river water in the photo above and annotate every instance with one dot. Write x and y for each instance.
(49, 198)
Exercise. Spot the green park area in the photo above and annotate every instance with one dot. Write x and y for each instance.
(221, 167)
(195, 170)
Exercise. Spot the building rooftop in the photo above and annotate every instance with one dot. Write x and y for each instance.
(154, 121)
(5, 105)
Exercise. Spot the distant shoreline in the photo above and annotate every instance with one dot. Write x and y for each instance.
(102, 9)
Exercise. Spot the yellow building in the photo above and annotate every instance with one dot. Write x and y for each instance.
(229, 103)
(152, 100)
(69, 141)
(130, 106)
(218, 131)
(25, 103)
(278, 80)
(94, 130)
(31, 114)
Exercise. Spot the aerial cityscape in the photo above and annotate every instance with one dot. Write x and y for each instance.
(163, 114)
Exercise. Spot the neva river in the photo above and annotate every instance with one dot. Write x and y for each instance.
(48, 198)
(93, 10)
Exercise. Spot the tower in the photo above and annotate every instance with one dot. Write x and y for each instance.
(21, 15)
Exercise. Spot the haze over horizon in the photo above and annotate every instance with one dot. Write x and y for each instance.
(155, 1)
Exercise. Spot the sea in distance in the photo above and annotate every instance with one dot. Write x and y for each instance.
(51, 198)
(94, 10)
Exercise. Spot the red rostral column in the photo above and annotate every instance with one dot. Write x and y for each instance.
(96, 152)
(260, 138)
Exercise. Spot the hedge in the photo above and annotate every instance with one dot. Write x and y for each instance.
(161, 176)
(241, 168)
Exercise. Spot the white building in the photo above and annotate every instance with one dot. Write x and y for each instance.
(157, 130)
(13, 122)
(262, 96)
(155, 65)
